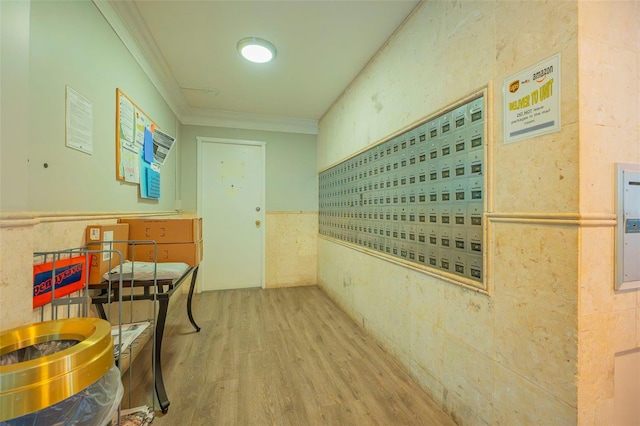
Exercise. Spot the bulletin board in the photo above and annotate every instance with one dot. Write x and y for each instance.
(141, 147)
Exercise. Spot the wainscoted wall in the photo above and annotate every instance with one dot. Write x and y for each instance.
(16, 270)
(510, 357)
(22, 234)
(291, 248)
(543, 347)
(505, 359)
(50, 193)
(609, 320)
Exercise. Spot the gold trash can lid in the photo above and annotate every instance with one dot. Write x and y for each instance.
(29, 386)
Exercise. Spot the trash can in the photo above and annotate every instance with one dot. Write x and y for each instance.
(59, 372)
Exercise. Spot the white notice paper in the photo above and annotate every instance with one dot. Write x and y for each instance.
(130, 164)
(162, 144)
(108, 236)
(79, 122)
(126, 120)
(140, 124)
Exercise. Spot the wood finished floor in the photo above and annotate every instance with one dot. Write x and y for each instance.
(278, 357)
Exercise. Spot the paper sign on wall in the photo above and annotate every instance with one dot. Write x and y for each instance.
(532, 101)
(79, 122)
(162, 144)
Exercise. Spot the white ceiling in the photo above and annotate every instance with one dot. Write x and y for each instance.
(190, 47)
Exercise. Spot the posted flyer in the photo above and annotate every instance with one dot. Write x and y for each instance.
(532, 101)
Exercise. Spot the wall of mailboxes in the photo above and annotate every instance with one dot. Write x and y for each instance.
(418, 196)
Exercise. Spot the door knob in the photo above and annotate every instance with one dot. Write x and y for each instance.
(257, 223)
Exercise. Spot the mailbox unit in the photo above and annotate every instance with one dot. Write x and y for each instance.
(418, 196)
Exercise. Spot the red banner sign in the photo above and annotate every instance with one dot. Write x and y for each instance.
(69, 277)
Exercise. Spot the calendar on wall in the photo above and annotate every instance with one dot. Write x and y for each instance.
(418, 196)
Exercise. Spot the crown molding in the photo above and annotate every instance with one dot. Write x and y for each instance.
(126, 21)
(241, 120)
(138, 41)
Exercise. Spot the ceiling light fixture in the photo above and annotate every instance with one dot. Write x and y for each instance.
(256, 50)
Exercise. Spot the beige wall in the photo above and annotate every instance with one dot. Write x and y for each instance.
(291, 190)
(45, 46)
(14, 118)
(626, 390)
(609, 321)
(291, 248)
(72, 44)
(511, 357)
(291, 182)
(551, 345)
(19, 239)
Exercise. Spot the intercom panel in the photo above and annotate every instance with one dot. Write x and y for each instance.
(628, 229)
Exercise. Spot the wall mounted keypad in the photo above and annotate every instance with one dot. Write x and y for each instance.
(418, 196)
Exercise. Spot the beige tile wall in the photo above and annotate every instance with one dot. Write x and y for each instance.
(291, 248)
(505, 359)
(511, 357)
(553, 327)
(609, 63)
(16, 269)
(23, 234)
(19, 239)
(627, 388)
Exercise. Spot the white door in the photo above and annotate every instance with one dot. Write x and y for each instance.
(231, 204)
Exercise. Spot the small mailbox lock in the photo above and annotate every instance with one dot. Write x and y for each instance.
(632, 226)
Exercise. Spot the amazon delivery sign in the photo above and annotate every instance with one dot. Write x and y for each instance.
(532, 101)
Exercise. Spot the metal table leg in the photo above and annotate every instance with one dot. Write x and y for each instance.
(160, 389)
(190, 297)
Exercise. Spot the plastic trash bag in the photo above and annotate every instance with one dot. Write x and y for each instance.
(93, 406)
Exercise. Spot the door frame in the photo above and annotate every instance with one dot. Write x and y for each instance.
(199, 187)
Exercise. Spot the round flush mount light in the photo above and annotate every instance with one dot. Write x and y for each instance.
(256, 50)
